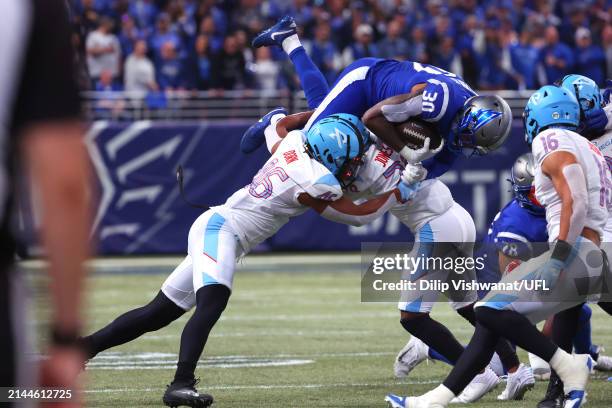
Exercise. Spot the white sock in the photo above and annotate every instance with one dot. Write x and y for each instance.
(272, 136)
(291, 43)
(440, 395)
(565, 366)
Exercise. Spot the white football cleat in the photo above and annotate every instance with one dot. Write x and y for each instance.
(574, 383)
(395, 401)
(480, 385)
(540, 368)
(518, 383)
(604, 363)
(413, 354)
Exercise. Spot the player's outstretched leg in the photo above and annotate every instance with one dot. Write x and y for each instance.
(284, 35)
(159, 313)
(211, 300)
(255, 135)
(520, 377)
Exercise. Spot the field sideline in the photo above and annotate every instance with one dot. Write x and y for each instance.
(287, 339)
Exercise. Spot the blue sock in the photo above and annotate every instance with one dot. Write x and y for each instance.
(434, 355)
(313, 82)
(582, 339)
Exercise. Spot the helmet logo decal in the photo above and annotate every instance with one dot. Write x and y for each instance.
(481, 117)
(339, 137)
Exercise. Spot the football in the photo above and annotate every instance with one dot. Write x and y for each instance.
(415, 131)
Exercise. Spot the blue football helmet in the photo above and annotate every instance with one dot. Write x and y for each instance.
(338, 142)
(550, 106)
(585, 89)
(521, 178)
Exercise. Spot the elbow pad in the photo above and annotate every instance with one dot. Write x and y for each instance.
(402, 111)
(576, 181)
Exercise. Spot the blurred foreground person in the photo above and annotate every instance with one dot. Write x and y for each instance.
(42, 134)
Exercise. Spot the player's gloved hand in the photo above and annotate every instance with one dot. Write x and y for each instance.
(408, 191)
(596, 120)
(413, 173)
(607, 93)
(414, 156)
(550, 271)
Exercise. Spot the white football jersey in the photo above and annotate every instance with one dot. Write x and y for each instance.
(382, 171)
(594, 167)
(261, 208)
(604, 143)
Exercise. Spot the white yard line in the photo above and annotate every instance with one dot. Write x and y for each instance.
(268, 387)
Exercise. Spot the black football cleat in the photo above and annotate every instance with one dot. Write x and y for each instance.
(555, 397)
(184, 394)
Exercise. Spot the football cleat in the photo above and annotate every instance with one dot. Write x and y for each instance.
(540, 368)
(554, 397)
(185, 394)
(413, 354)
(395, 401)
(518, 383)
(480, 385)
(276, 34)
(604, 363)
(255, 136)
(574, 399)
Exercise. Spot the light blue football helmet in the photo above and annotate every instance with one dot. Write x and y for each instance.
(338, 142)
(585, 89)
(550, 106)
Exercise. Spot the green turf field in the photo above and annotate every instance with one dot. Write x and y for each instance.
(288, 339)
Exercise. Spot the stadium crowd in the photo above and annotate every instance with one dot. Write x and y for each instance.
(145, 46)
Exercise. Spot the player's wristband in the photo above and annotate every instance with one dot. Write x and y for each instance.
(562, 251)
(64, 338)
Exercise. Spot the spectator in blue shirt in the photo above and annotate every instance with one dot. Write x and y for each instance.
(170, 72)
(144, 11)
(420, 51)
(323, 52)
(164, 34)
(524, 58)
(208, 27)
(362, 47)
(447, 57)
(393, 45)
(203, 62)
(128, 35)
(590, 58)
(556, 59)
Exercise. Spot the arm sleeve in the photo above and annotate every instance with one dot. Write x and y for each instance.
(440, 163)
(48, 90)
(358, 220)
(401, 112)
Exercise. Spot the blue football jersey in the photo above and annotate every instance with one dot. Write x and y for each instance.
(515, 231)
(443, 96)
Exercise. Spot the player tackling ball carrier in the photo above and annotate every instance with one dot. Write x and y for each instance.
(386, 92)
(572, 182)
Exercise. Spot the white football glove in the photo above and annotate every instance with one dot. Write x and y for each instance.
(414, 156)
(413, 173)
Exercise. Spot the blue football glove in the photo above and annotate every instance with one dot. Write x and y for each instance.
(595, 120)
(408, 191)
(607, 93)
(550, 271)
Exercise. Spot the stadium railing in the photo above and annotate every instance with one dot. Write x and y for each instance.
(212, 105)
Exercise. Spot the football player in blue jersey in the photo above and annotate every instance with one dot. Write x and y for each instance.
(384, 92)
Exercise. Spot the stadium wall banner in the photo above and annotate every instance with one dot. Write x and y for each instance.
(140, 210)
